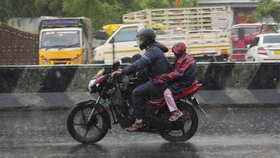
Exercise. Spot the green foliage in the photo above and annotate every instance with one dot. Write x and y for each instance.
(113, 13)
(186, 3)
(4, 11)
(104, 12)
(101, 12)
(49, 7)
(266, 9)
(16, 8)
(55, 5)
(150, 4)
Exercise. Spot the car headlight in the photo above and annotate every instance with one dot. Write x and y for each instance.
(45, 61)
(91, 82)
(76, 60)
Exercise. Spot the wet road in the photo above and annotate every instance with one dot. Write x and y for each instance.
(250, 133)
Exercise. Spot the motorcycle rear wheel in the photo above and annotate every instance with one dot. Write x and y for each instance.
(185, 127)
(87, 133)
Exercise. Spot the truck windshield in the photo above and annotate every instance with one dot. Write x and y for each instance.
(60, 39)
(126, 34)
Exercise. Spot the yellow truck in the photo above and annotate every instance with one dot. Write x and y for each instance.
(204, 30)
(65, 40)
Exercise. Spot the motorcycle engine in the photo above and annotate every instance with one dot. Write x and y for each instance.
(115, 96)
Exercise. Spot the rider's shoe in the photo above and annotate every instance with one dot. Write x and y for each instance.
(135, 127)
(176, 114)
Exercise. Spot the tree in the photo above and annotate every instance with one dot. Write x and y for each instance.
(105, 12)
(266, 9)
(93, 9)
(101, 12)
(49, 7)
(16, 8)
(150, 4)
(185, 3)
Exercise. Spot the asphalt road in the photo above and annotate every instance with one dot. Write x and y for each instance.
(244, 132)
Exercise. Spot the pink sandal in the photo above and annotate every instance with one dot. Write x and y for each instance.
(176, 114)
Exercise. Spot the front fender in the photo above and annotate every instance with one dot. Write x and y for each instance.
(85, 102)
(98, 107)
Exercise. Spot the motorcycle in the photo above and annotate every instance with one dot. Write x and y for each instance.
(88, 122)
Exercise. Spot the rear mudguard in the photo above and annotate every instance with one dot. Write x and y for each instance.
(97, 107)
(195, 103)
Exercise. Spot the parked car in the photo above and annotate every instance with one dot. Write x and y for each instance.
(265, 47)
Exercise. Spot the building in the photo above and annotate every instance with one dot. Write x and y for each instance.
(240, 9)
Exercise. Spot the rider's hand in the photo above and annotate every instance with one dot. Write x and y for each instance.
(119, 71)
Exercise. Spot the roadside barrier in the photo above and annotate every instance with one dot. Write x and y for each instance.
(232, 84)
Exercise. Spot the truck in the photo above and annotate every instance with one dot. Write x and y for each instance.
(205, 31)
(65, 40)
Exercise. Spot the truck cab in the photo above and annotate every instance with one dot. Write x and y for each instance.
(120, 45)
(64, 41)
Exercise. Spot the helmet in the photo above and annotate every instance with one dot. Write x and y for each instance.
(178, 49)
(144, 37)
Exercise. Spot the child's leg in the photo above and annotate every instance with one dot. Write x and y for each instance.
(169, 100)
(172, 106)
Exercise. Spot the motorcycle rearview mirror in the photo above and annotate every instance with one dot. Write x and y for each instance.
(117, 63)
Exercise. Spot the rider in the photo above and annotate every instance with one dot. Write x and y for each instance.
(183, 75)
(154, 63)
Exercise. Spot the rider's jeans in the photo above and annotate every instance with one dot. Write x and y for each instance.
(169, 100)
(140, 93)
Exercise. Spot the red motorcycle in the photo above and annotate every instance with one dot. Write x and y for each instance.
(89, 121)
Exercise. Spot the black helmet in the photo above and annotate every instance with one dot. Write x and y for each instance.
(144, 37)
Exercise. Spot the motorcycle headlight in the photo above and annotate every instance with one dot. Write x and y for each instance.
(91, 82)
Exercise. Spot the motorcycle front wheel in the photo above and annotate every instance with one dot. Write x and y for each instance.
(88, 132)
(184, 128)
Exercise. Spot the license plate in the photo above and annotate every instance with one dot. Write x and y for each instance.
(225, 51)
(277, 52)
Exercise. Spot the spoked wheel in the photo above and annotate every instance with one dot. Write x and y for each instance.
(88, 132)
(184, 128)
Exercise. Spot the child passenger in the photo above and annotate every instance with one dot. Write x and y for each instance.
(183, 75)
